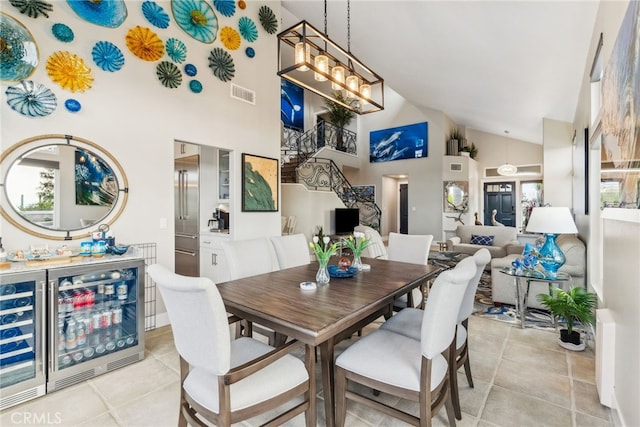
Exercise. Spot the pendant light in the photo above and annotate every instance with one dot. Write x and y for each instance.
(302, 47)
(507, 169)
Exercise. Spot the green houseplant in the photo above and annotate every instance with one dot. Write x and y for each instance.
(574, 305)
(340, 116)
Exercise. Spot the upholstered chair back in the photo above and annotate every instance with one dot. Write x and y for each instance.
(250, 257)
(442, 308)
(198, 319)
(410, 248)
(481, 258)
(291, 250)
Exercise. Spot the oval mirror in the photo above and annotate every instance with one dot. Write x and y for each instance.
(456, 198)
(61, 187)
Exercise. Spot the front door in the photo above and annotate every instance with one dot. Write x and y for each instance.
(501, 197)
(404, 208)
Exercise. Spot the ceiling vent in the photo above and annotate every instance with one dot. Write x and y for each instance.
(243, 94)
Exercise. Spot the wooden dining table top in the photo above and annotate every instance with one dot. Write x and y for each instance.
(312, 316)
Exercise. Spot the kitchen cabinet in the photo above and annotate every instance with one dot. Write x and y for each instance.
(223, 176)
(213, 263)
(183, 149)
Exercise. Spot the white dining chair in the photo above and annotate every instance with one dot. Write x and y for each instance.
(403, 367)
(408, 322)
(292, 250)
(247, 258)
(414, 249)
(376, 248)
(227, 381)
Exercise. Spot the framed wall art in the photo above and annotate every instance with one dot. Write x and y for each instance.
(259, 183)
(96, 183)
(402, 142)
(291, 105)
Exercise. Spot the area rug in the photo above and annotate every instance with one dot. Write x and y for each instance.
(485, 308)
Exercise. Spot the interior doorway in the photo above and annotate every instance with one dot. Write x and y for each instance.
(501, 197)
(404, 208)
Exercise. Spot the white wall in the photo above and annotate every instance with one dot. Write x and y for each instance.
(311, 208)
(558, 163)
(424, 175)
(130, 114)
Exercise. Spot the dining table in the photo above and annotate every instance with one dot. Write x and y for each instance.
(324, 316)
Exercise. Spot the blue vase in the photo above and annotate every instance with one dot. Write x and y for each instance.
(551, 257)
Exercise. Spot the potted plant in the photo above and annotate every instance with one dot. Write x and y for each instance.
(574, 305)
(340, 116)
(472, 150)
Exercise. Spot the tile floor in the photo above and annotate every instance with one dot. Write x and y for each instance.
(522, 378)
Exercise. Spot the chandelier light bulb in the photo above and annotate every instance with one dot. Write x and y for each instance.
(302, 54)
(322, 63)
(365, 90)
(352, 84)
(338, 74)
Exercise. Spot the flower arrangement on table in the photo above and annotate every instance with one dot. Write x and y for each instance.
(357, 244)
(324, 250)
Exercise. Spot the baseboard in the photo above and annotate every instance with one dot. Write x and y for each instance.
(162, 319)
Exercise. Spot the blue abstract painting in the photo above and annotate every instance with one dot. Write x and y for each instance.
(402, 142)
(291, 105)
(95, 182)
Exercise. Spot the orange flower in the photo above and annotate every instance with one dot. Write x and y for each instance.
(144, 43)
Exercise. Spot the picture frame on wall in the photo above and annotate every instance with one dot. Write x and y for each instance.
(260, 178)
(398, 143)
(291, 105)
(95, 182)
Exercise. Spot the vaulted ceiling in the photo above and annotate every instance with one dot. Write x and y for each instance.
(488, 65)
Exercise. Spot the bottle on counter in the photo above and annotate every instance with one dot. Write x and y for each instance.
(3, 253)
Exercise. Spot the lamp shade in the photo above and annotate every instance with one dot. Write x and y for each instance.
(507, 169)
(551, 220)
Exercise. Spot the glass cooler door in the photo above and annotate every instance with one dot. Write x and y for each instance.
(22, 374)
(97, 313)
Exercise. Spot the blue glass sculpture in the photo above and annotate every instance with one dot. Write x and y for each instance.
(176, 50)
(169, 74)
(248, 29)
(195, 86)
(19, 54)
(225, 7)
(196, 18)
(551, 257)
(155, 14)
(33, 8)
(221, 63)
(31, 99)
(62, 32)
(72, 105)
(107, 56)
(250, 52)
(106, 13)
(190, 70)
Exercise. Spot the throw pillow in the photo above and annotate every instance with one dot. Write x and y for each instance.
(481, 240)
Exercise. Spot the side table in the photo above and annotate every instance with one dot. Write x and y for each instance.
(527, 277)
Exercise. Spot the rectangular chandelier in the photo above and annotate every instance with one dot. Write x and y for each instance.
(311, 60)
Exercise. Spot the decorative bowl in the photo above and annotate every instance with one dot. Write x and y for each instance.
(336, 271)
(118, 249)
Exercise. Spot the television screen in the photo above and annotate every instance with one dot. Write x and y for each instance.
(346, 220)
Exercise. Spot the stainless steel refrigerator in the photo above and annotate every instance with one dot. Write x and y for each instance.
(187, 206)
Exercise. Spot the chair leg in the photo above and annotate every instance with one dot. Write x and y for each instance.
(448, 404)
(467, 371)
(454, 396)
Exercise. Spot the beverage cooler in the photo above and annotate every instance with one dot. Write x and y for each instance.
(96, 320)
(22, 337)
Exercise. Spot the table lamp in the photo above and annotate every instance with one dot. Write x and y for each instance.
(551, 221)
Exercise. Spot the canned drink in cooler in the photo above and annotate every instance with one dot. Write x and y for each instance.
(62, 305)
(109, 291)
(89, 298)
(68, 300)
(78, 299)
(116, 317)
(122, 290)
(96, 320)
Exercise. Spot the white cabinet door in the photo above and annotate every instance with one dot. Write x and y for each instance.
(213, 263)
(182, 149)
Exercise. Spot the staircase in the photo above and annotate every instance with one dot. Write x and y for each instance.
(299, 165)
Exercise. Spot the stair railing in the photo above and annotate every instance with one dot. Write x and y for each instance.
(324, 175)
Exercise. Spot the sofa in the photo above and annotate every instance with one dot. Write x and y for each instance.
(504, 241)
(502, 285)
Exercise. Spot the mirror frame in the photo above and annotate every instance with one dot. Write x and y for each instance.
(462, 186)
(11, 154)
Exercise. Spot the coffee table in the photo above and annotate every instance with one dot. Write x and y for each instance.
(446, 259)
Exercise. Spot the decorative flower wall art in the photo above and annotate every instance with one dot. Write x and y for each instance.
(62, 32)
(107, 56)
(195, 86)
(225, 7)
(69, 71)
(196, 18)
(33, 8)
(18, 50)
(31, 99)
(268, 19)
(106, 13)
(169, 74)
(230, 38)
(248, 29)
(176, 50)
(144, 43)
(155, 14)
(72, 105)
(190, 70)
(221, 63)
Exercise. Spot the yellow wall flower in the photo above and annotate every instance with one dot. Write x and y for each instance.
(69, 71)
(144, 43)
(230, 38)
